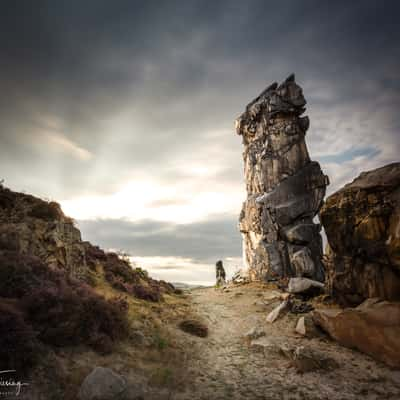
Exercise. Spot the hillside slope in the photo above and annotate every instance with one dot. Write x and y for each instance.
(67, 305)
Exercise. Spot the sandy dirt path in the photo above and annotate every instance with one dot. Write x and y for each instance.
(225, 366)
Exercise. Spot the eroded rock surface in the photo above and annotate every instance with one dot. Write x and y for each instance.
(220, 273)
(373, 328)
(285, 189)
(362, 224)
(36, 227)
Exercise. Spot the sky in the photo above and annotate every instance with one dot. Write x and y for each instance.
(123, 111)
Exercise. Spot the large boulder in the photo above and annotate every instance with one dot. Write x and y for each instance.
(285, 189)
(304, 286)
(305, 359)
(362, 224)
(102, 384)
(373, 328)
(306, 327)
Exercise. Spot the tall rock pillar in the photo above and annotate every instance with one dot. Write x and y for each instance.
(285, 189)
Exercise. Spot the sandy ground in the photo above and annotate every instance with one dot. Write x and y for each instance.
(174, 365)
(225, 366)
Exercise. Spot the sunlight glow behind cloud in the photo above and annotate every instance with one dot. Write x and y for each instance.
(60, 143)
(148, 199)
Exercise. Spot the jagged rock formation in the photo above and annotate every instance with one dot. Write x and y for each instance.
(285, 189)
(220, 273)
(362, 224)
(31, 226)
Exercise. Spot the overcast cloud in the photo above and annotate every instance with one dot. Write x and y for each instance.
(123, 110)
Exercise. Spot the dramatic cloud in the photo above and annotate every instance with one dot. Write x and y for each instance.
(205, 241)
(124, 110)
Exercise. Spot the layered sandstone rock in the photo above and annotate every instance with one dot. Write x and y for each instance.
(362, 224)
(285, 189)
(373, 328)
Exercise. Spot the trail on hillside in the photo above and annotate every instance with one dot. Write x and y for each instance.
(225, 366)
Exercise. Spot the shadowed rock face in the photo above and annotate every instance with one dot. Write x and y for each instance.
(285, 189)
(362, 224)
(35, 227)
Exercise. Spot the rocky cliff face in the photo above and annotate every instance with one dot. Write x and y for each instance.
(285, 189)
(362, 224)
(32, 226)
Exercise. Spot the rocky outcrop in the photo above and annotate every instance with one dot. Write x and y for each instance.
(373, 328)
(220, 274)
(30, 227)
(362, 224)
(285, 189)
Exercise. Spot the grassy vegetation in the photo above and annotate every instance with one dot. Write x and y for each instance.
(56, 328)
(50, 308)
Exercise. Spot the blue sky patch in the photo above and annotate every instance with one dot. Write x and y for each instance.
(350, 154)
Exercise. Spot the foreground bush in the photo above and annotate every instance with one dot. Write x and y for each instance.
(194, 327)
(67, 315)
(20, 274)
(62, 311)
(18, 344)
(46, 211)
(120, 274)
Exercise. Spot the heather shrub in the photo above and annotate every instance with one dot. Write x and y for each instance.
(144, 292)
(166, 287)
(6, 198)
(46, 211)
(93, 255)
(116, 267)
(194, 327)
(142, 273)
(120, 274)
(67, 315)
(63, 311)
(8, 239)
(18, 344)
(19, 274)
